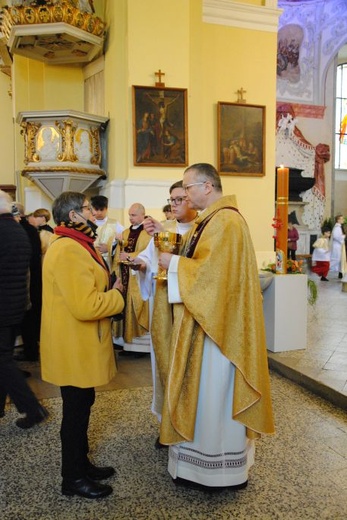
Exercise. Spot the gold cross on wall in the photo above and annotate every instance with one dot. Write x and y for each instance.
(240, 93)
(159, 74)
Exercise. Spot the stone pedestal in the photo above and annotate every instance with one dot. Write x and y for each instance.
(285, 312)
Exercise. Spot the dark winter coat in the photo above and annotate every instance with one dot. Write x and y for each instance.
(15, 257)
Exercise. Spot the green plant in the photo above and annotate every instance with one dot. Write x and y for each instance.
(329, 223)
(295, 267)
(312, 291)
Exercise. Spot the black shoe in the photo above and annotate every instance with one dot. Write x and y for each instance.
(323, 279)
(99, 473)
(158, 445)
(26, 374)
(340, 276)
(84, 487)
(30, 420)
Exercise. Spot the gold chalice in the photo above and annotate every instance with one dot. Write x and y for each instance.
(123, 243)
(166, 242)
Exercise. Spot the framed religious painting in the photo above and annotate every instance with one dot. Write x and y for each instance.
(160, 126)
(241, 139)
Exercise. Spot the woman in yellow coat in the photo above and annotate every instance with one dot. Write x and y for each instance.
(76, 345)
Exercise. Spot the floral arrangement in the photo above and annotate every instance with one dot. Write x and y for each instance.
(293, 267)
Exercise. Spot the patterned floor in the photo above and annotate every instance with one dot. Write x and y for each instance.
(300, 473)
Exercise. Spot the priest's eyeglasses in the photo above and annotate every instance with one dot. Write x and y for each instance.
(177, 201)
(193, 184)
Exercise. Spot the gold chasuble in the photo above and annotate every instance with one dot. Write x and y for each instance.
(136, 312)
(220, 290)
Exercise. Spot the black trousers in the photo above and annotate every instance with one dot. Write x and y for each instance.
(30, 331)
(77, 403)
(291, 254)
(12, 381)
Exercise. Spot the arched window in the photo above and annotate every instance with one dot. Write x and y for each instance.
(341, 118)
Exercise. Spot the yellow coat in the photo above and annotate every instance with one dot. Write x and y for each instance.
(76, 343)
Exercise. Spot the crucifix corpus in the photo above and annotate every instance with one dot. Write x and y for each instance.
(159, 74)
(240, 93)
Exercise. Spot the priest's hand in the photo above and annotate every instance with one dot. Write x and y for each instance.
(164, 260)
(138, 265)
(152, 226)
(124, 256)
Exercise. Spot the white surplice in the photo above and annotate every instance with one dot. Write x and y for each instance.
(147, 286)
(220, 454)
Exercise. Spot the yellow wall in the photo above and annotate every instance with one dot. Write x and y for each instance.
(7, 175)
(212, 62)
(37, 86)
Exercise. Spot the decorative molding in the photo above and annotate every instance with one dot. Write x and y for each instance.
(63, 149)
(53, 33)
(245, 16)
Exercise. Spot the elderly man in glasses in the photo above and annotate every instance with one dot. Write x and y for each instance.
(217, 389)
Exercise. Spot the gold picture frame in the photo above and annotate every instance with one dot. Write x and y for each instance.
(160, 126)
(241, 139)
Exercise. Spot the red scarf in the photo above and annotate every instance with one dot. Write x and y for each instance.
(78, 233)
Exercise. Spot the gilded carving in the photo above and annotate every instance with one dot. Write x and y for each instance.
(30, 130)
(63, 12)
(96, 156)
(67, 130)
(28, 15)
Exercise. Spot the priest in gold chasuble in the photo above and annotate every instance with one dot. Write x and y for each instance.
(217, 385)
(134, 328)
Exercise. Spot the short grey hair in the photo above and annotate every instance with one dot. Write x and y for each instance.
(64, 203)
(206, 172)
(5, 202)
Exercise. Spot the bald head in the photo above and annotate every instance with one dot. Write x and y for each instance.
(5, 202)
(136, 214)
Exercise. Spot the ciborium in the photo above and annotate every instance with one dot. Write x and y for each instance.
(166, 242)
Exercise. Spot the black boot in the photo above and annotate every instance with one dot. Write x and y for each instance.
(84, 487)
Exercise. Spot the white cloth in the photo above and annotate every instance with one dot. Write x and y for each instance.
(338, 240)
(107, 229)
(321, 250)
(147, 286)
(221, 454)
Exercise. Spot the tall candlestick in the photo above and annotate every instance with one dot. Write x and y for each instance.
(282, 218)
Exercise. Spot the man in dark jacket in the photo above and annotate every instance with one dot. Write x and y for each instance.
(30, 328)
(14, 265)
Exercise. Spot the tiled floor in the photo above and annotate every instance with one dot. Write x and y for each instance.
(300, 473)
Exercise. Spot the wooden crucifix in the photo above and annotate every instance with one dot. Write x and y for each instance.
(240, 93)
(159, 74)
